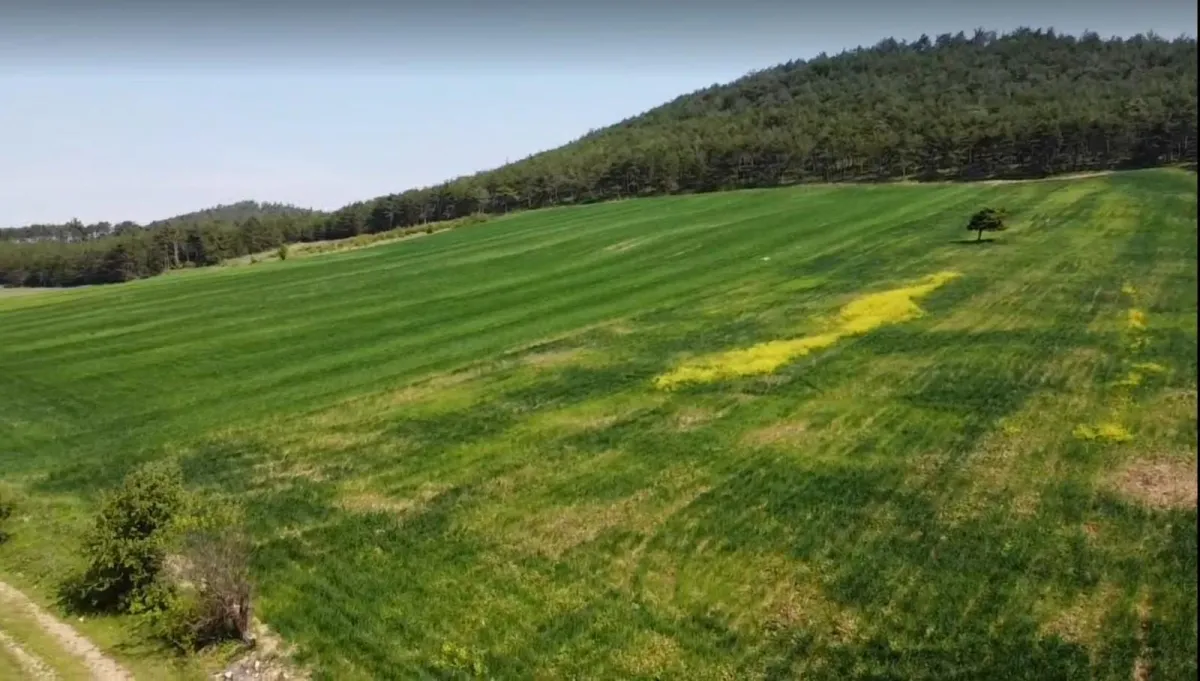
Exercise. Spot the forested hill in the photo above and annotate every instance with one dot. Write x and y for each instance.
(956, 107)
(1030, 103)
(237, 212)
(77, 231)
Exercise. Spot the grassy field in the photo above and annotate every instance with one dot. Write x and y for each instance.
(795, 433)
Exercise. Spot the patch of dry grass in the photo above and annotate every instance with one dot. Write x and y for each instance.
(691, 418)
(1081, 620)
(782, 432)
(357, 497)
(553, 531)
(273, 471)
(1159, 484)
(591, 415)
(553, 359)
(651, 655)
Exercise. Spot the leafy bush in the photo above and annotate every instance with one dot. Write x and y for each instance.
(283, 251)
(173, 619)
(125, 549)
(177, 559)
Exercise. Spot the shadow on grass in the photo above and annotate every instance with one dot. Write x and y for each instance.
(974, 242)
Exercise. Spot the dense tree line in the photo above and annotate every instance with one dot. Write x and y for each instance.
(959, 107)
(77, 231)
(141, 251)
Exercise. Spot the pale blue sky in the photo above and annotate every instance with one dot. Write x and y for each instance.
(110, 123)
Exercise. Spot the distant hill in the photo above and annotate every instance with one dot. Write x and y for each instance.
(236, 212)
(75, 230)
(956, 107)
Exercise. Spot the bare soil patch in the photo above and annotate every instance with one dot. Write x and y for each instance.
(1162, 484)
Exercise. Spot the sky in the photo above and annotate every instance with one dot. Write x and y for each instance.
(143, 109)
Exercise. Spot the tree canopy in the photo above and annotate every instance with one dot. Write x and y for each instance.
(986, 220)
(953, 107)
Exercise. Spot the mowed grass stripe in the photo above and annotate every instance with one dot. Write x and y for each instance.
(580, 285)
(381, 331)
(396, 290)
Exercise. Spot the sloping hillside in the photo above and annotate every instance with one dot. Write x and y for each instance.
(1031, 103)
(805, 433)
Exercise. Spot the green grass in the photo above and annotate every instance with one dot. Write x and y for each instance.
(456, 459)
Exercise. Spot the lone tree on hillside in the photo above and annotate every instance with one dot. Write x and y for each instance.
(987, 220)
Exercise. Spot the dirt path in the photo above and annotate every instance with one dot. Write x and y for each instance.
(102, 667)
(30, 664)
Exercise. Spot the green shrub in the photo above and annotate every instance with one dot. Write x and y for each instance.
(429, 229)
(125, 548)
(179, 560)
(173, 619)
(283, 252)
